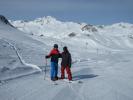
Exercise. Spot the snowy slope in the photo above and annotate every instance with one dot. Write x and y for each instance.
(14, 46)
(102, 59)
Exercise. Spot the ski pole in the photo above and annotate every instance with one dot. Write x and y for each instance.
(45, 69)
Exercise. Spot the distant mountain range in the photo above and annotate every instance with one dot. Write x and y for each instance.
(118, 35)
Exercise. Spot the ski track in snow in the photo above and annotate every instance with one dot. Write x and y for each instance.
(34, 91)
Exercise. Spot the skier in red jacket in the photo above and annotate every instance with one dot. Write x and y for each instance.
(54, 55)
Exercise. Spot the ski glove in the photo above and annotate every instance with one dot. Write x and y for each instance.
(46, 57)
(69, 65)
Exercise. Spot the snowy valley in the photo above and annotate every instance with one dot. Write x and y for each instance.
(102, 58)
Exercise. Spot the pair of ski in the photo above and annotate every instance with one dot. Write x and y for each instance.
(63, 80)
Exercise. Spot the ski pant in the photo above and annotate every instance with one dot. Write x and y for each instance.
(68, 70)
(54, 70)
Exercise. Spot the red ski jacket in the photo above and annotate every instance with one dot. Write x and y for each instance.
(54, 54)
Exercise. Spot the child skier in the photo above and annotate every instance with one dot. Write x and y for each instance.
(66, 64)
(54, 55)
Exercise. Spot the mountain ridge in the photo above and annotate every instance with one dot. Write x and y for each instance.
(118, 35)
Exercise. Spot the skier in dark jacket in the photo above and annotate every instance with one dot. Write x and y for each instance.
(54, 55)
(66, 63)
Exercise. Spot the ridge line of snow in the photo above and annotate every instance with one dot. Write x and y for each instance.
(20, 57)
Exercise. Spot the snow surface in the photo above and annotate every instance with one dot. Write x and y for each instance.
(102, 59)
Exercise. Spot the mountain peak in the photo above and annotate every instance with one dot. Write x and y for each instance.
(4, 20)
(47, 20)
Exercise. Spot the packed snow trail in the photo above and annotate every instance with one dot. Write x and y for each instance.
(102, 80)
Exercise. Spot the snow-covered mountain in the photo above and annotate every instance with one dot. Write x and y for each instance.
(102, 60)
(116, 36)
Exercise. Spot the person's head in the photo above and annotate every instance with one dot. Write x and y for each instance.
(56, 46)
(65, 49)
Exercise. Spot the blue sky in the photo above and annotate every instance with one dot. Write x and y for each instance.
(89, 11)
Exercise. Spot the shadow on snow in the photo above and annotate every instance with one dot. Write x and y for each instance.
(78, 77)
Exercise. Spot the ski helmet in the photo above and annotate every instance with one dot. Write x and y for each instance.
(65, 49)
(55, 45)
